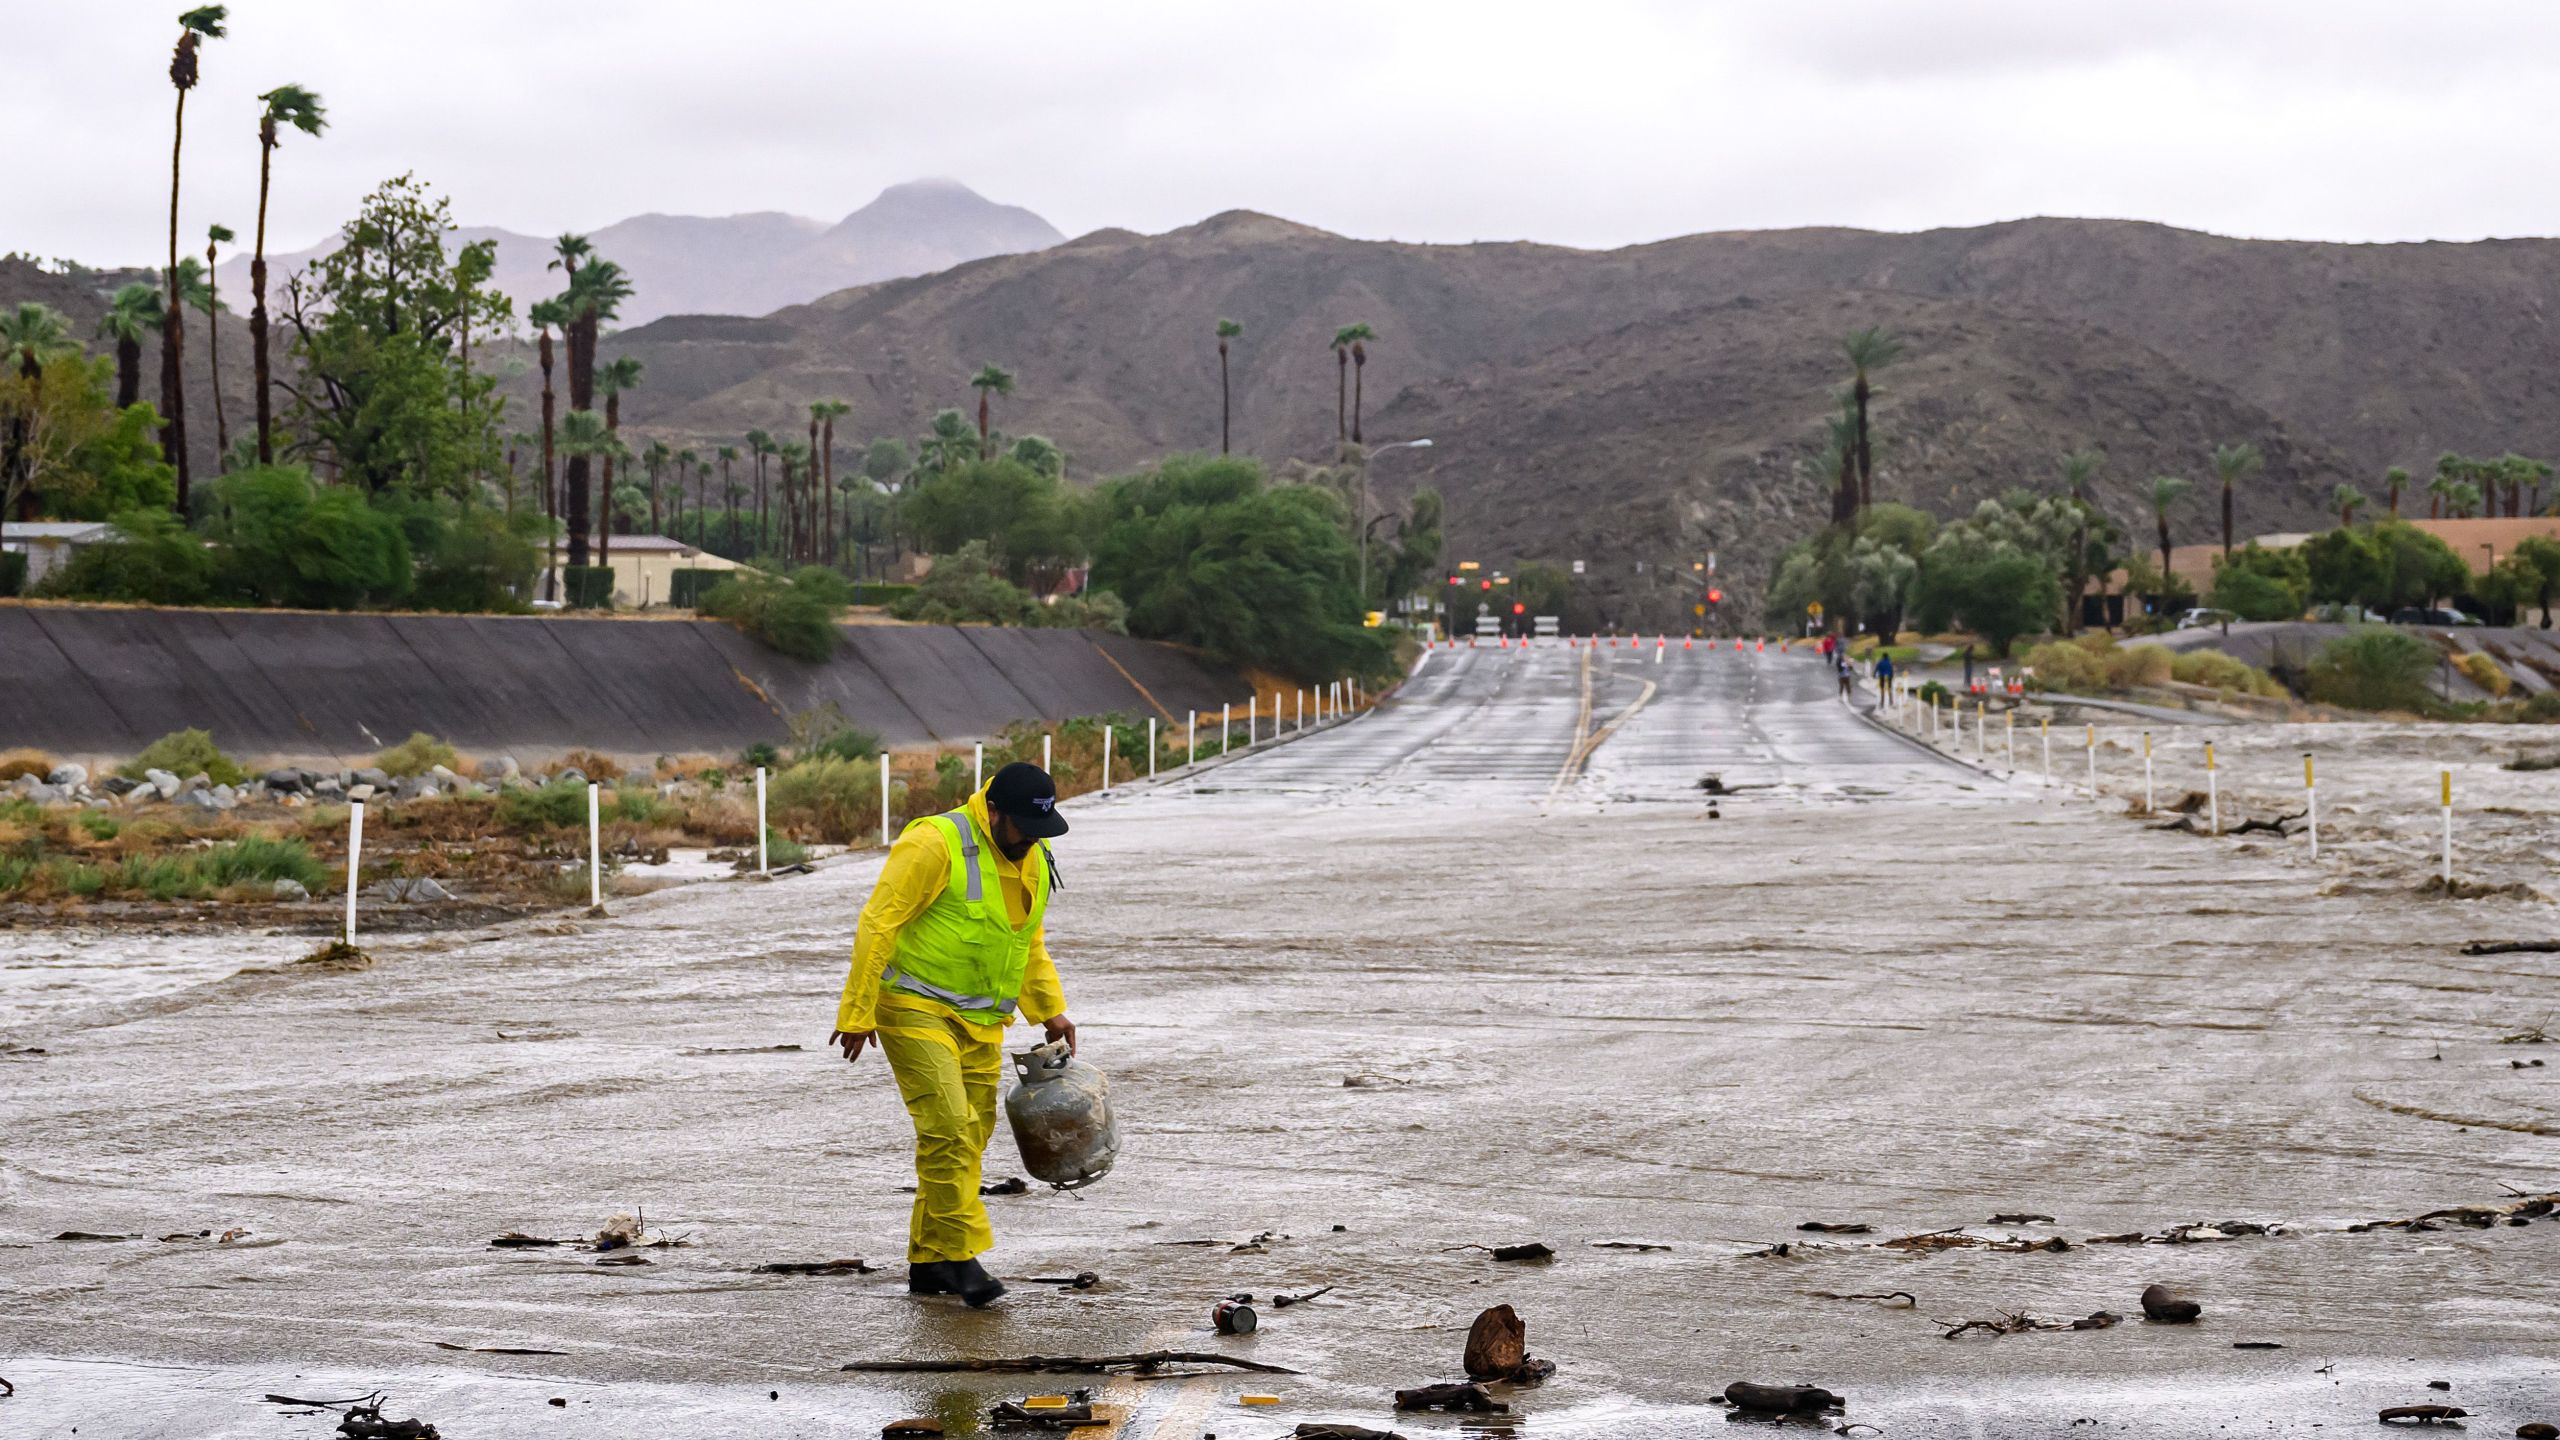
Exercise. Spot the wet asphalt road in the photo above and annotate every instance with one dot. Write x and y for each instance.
(1421, 978)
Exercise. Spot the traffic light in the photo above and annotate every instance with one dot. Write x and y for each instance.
(1714, 596)
(1487, 584)
(1519, 609)
(1456, 580)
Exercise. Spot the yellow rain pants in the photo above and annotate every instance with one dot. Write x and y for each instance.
(948, 1076)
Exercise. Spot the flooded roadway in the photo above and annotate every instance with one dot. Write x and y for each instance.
(1448, 976)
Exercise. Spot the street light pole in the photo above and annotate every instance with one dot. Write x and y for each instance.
(1362, 525)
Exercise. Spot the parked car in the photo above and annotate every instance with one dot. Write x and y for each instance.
(2416, 616)
(2203, 619)
(2348, 615)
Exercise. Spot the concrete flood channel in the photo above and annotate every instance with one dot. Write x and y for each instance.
(1368, 1000)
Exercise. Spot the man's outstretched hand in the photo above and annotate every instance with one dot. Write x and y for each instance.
(1061, 1028)
(852, 1042)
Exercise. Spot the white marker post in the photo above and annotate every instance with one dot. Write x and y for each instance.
(1192, 731)
(2009, 737)
(2045, 728)
(1106, 759)
(1226, 726)
(1045, 752)
(884, 797)
(595, 845)
(1252, 719)
(355, 862)
(1302, 714)
(2446, 777)
(764, 860)
(2212, 789)
(978, 766)
(1979, 721)
(1151, 747)
(2311, 804)
(2090, 743)
(2147, 806)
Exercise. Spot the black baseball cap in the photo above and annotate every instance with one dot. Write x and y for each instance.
(1024, 793)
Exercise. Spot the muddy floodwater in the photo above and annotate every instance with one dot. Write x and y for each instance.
(1486, 967)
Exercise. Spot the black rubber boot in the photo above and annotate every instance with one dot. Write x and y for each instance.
(970, 1281)
(929, 1277)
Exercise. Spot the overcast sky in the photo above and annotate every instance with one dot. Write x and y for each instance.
(1585, 122)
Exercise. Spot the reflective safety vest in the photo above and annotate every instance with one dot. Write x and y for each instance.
(964, 950)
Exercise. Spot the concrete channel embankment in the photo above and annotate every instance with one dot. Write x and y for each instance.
(92, 680)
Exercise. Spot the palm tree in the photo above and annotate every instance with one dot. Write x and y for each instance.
(761, 443)
(1360, 335)
(544, 314)
(289, 105)
(584, 436)
(1342, 386)
(2079, 467)
(827, 412)
(2166, 490)
(216, 236)
(989, 380)
(1227, 330)
(2449, 472)
(134, 313)
(2393, 480)
(1350, 348)
(948, 444)
(596, 290)
(1869, 350)
(613, 377)
(794, 458)
(32, 333)
(2232, 464)
(2349, 500)
(653, 458)
(194, 28)
(728, 455)
(2462, 500)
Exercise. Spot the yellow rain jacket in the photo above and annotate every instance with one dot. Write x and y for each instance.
(948, 1065)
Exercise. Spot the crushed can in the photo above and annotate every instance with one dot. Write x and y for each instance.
(1061, 1115)
(1234, 1317)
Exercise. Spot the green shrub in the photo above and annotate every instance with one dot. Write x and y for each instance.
(417, 755)
(160, 877)
(258, 860)
(2067, 665)
(760, 755)
(781, 849)
(77, 877)
(2256, 583)
(828, 585)
(586, 587)
(99, 824)
(636, 804)
(880, 592)
(777, 613)
(285, 540)
(15, 871)
(2222, 672)
(2132, 666)
(2543, 709)
(151, 559)
(183, 753)
(686, 587)
(2373, 668)
(851, 742)
(556, 806)
(836, 800)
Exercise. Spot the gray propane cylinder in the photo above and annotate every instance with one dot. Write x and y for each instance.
(1061, 1114)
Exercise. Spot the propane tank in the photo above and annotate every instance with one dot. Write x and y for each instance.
(1061, 1114)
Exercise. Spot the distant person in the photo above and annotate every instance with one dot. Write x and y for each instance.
(1848, 676)
(1884, 674)
(942, 961)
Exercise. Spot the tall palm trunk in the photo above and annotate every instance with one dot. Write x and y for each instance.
(128, 371)
(761, 530)
(1341, 393)
(582, 396)
(604, 530)
(2226, 517)
(213, 357)
(1359, 372)
(1225, 405)
(1866, 453)
(729, 502)
(173, 387)
(835, 551)
(258, 324)
(550, 490)
(809, 537)
(2167, 584)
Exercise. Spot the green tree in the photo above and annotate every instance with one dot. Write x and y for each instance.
(613, 377)
(287, 107)
(149, 558)
(2345, 567)
(2373, 667)
(2394, 480)
(195, 26)
(1041, 454)
(2231, 465)
(287, 541)
(828, 413)
(1031, 525)
(2255, 583)
(2348, 499)
(377, 325)
(216, 237)
(132, 314)
(1868, 351)
(1206, 554)
(887, 462)
(2079, 468)
(989, 381)
(2166, 491)
(2543, 554)
(2449, 473)
(594, 294)
(30, 337)
(1999, 595)
(948, 442)
(1347, 342)
(92, 459)
(1227, 330)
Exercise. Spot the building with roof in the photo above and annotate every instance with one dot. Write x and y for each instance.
(50, 544)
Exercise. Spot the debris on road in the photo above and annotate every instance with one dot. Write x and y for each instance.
(2200, 1233)
(2256, 1345)
(815, 1267)
(337, 955)
(2476, 1217)
(1837, 1227)
(1142, 1363)
(2422, 1414)
(1956, 1239)
(1285, 1301)
(1498, 1349)
(1011, 1185)
(1533, 1250)
(1048, 1412)
(365, 1422)
(2022, 1218)
(2511, 947)
(2019, 1322)
(1468, 1398)
(910, 1429)
(2537, 1430)
(494, 1349)
(1081, 1280)
(518, 1240)
(92, 1235)
(1635, 1245)
(2167, 1309)
(633, 1232)
(741, 1050)
(1782, 1399)
(1909, 1300)
(1233, 1316)
(1324, 1431)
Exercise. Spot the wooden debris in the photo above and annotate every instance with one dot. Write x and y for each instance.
(1933, 1241)
(2256, 1345)
(1326, 1431)
(1016, 1185)
(365, 1422)
(2167, 1309)
(622, 1259)
(2476, 1217)
(518, 1240)
(1008, 1415)
(1909, 1300)
(2537, 1430)
(2199, 1233)
(92, 1235)
(494, 1349)
(1837, 1227)
(1285, 1301)
(1782, 1399)
(742, 1050)
(2022, 1218)
(1637, 1245)
(2019, 1322)
(1143, 1362)
(815, 1267)
(1467, 1399)
(1081, 1280)
(2422, 1414)
(921, 1425)
(1496, 1344)
(2511, 947)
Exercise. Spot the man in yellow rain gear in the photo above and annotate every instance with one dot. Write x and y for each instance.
(948, 950)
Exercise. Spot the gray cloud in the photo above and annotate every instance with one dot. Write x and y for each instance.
(1603, 123)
